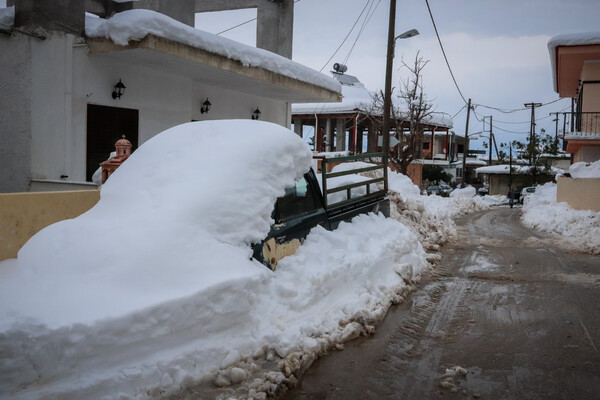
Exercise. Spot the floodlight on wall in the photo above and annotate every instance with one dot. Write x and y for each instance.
(205, 107)
(256, 114)
(119, 90)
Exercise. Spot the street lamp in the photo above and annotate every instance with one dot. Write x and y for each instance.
(387, 99)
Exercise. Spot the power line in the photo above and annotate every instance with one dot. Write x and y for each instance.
(362, 28)
(346, 38)
(243, 23)
(444, 52)
(509, 111)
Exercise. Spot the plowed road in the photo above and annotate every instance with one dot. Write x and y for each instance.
(518, 315)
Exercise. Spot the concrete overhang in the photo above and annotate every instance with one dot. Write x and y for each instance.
(569, 64)
(213, 69)
(573, 145)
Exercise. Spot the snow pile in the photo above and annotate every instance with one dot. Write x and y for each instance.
(585, 170)
(153, 290)
(428, 217)
(578, 229)
(130, 25)
(465, 193)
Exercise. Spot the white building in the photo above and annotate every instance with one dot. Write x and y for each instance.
(60, 114)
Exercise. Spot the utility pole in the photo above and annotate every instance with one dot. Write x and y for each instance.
(555, 120)
(532, 129)
(491, 134)
(510, 166)
(466, 145)
(387, 97)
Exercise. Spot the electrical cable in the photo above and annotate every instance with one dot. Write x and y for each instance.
(459, 111)
(346, 38)
(509, 111)
(362, 28)
(444, 52)
(243, 23)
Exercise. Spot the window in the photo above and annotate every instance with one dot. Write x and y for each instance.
(297, 200)
(459, 172)
(425, 145)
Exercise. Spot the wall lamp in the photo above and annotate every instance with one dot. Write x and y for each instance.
(256, 114)
(205, 107)
(119, 90)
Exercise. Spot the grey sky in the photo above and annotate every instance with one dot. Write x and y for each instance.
(497, 49)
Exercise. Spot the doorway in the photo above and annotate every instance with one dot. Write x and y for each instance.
(106, 125)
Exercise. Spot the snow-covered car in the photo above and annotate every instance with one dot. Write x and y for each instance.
(440, 190)
(482, 191)
(526, 192)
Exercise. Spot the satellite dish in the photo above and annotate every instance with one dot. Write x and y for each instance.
(340, 68)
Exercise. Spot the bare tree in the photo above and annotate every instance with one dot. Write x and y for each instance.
(418, 110)
(408, 117)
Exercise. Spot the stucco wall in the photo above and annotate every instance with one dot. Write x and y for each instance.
(22, 215)
(579, 193)
(15, 100)
(66, 79)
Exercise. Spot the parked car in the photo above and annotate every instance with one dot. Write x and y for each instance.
(440, 190)
(305, 205)
(482, 191)
(526, 192)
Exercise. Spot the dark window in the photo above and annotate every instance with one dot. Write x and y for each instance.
(106, 125)
(298, 200)
(425, 145)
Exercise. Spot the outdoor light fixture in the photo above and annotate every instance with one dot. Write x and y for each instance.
(205, 106)
(256, 114)
(407, 34)
(119, 90)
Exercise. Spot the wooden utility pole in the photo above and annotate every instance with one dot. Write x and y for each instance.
(466, 145)
(555, 120)
(387, 97)
(491, 134)
(532, 128)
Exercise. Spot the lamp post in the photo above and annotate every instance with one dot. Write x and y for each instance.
(387, 97)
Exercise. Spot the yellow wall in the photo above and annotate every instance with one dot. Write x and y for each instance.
(22, 215)
(579, 193)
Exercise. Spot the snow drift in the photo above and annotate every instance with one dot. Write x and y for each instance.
(153, 290)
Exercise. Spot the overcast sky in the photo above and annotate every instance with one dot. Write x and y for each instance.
(497, 49)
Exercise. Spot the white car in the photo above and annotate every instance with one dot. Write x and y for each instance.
(526, 192)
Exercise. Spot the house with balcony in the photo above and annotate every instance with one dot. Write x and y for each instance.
(575, 60)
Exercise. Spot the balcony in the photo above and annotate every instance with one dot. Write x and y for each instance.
(587, 123)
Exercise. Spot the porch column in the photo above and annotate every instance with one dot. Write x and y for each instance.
(340, 134)
(328, 135)
(298, 126)
(372, 138)
(431, 149)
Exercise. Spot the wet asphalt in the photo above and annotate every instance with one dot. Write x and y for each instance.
(506, 314)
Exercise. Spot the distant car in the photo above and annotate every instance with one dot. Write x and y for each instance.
(440, 190)
(526, 192)
(482, 191)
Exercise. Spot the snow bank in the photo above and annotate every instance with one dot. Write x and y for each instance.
(578, 229)
(585, 170)
(153, 289)
(136, 24)
(428, 217)
(466, 193)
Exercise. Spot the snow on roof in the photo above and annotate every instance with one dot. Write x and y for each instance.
(355, 96)
(585, 169)
(569, 39)
(475, 161)
(582, 136)
(517, 169)
(136, 24)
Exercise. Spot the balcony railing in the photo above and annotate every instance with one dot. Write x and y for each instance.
(585, 122)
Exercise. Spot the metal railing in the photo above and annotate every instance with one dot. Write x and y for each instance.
(584, 122)
(373, 157)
